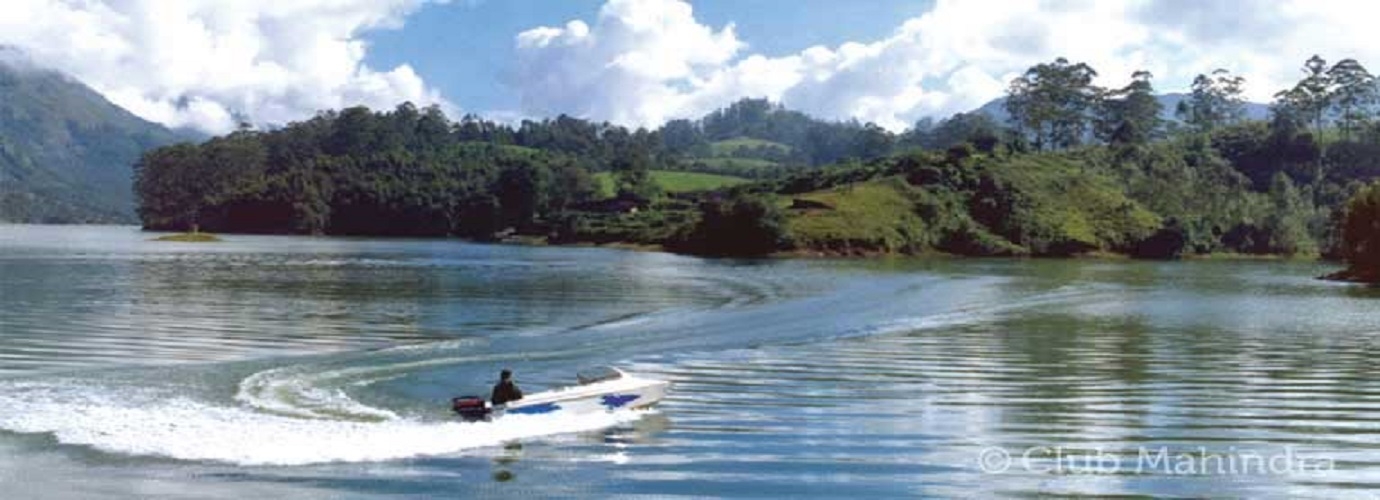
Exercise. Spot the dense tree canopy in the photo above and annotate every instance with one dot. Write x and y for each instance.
(1051, 103)
(978, 129)
(1078, 168)
(362, 172)
(1361, 234)
(1131, 114)
(1214, 101)
(741, 224)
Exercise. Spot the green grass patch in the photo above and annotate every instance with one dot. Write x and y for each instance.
(679, 182)
(189, 238)
(733, 163)
(874, 216)
(730, 147)
(673, 181)
(1062, 204)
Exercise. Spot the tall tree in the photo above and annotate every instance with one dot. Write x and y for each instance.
(1311, 97)
(570, 185)
(1131, 114)
(1051, 102)
(1215, 100)
(1353, 95)
(523, 192)
(633, 176)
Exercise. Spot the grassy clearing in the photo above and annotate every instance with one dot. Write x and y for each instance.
(1060, 203)
(874, 216)
(730, 147)
(678, 182)
(1042, 205)
(674, 182)
(733, 163)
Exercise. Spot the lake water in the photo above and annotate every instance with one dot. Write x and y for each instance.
(273, 367)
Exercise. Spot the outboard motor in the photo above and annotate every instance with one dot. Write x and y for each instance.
(470, 407)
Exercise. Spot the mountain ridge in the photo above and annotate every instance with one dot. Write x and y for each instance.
(66, 152)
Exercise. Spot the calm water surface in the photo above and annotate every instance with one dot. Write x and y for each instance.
(320, 368)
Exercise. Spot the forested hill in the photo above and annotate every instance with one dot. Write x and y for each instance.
(357, 171)
(65, 151)
(1077, 169)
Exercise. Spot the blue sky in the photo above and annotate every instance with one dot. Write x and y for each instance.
(464, 48)
(210, 63)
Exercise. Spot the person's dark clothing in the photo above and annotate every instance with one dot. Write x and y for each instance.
(506, 391)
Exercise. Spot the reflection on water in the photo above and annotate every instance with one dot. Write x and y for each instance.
(791, 378)
(116, 298)
(1175, 357)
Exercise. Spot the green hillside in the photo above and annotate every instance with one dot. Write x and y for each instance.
(1039, 205)
(742, 145)
(732, 164)
(675, 182)
(875, 216)
(1101, 175)
(66, 152)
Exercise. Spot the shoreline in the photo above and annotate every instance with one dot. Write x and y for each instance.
(804, 253)
(1344, 275)
(1350, 275)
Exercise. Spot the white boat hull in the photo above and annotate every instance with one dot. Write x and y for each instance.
(623, 393)
(610, 391)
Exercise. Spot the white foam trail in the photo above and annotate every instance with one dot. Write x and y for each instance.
(315, 391)
(290, 391)
(131, 422)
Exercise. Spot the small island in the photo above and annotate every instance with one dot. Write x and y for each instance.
(1361, 238)
(189, 237)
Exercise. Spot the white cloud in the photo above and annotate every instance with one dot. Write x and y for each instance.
(203, 63)
(206, 63)
(636, 48)
(643, 62)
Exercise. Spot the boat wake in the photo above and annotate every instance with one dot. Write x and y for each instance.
(307, 412)
(144, 423)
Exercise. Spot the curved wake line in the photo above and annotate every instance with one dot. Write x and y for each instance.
(302, 414)
(290, 415)
(316, 390)
(184, 429)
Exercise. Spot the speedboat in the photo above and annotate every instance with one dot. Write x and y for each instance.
(599, 389)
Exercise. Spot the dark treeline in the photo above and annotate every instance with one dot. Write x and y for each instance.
(414, 172)
(1076, 167)
(404, 172)
(808, 141)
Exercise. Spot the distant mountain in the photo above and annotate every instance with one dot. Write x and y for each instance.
(66, 153)
(996, 108)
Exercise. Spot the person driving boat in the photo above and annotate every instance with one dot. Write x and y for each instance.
(505, 390)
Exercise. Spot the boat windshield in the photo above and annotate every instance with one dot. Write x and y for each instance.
(597, 374)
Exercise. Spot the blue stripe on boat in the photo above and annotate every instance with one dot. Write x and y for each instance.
(617, 400)
(534, 409)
